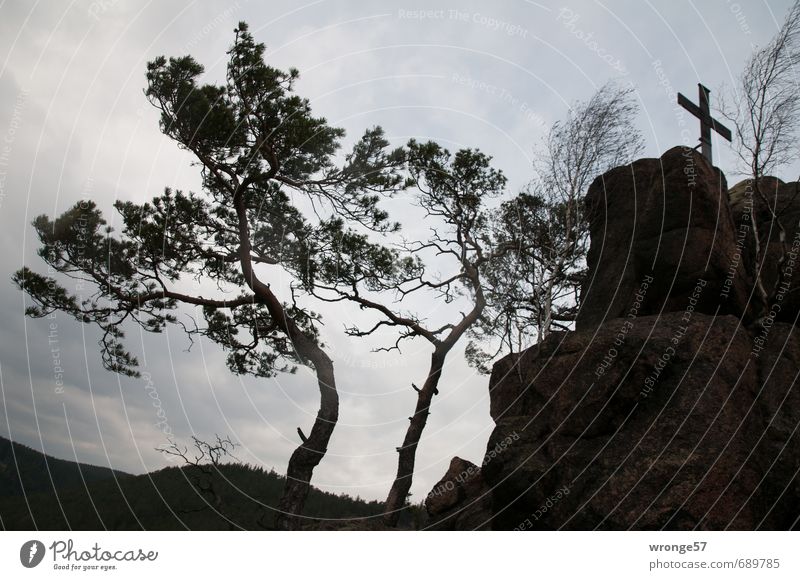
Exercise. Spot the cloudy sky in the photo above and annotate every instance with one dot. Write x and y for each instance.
(74, 123)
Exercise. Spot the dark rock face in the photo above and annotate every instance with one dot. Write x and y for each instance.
(666, 221)
(675, 426)
(670, 406)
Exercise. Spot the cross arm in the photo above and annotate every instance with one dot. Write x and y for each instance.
(704, 117)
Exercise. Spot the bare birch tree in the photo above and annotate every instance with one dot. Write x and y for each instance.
(765, 110)
(535, 287)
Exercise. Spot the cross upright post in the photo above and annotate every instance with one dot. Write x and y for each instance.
(707, 122)
(705, 128)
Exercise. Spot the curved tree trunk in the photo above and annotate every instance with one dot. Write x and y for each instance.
(308, 455)
(396, 499)
(407, 453)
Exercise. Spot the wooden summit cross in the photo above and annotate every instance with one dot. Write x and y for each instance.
(707, 122)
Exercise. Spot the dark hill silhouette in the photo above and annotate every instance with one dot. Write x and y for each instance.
(231, 496)
(24, 468)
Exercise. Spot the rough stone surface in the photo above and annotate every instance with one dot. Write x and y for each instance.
(668, 218)
(671, 406)
(685, 443)
(461, 500)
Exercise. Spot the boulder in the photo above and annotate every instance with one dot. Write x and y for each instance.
(657, 226)
(461, 500)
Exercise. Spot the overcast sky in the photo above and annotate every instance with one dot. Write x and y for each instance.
(74, 123)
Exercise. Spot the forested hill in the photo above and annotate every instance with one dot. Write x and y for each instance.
(23, 467)
(234, 496)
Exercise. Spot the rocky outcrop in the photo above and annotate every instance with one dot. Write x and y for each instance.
(675, 403)
(666, 222)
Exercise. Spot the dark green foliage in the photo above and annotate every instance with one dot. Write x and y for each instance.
(255, 129)
(455, 191)
(348, 257)
(454, 185)
(254, 140)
